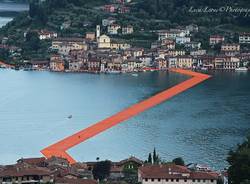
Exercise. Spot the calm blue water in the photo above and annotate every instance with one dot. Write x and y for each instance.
(201, 125)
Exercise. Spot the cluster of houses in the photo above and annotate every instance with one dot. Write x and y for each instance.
(98, 52)
(59, 171)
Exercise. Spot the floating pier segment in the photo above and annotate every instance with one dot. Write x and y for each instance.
(59, 149)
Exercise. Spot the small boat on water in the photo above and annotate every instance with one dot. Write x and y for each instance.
(70, 116)
(135, 75)
(241, 69)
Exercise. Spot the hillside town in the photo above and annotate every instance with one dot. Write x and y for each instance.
(131, 170)
(98, 52)
(103, 50)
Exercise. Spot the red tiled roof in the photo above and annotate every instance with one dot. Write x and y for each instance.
(171, 171)
(131, 159)
(75, 181)
(33, 161)
(15, 171)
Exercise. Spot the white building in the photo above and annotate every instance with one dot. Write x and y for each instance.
(170, 34)
(46, 35)
(113, 29)
(244, 38)
(174, 174)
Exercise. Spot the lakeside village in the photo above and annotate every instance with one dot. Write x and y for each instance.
(98, 52)
(131, 170)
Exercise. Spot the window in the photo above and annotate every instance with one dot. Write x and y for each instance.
(193, 180)
(177, 180)
(146, 179)
(166, 180)
(199, 180)
(185, 180)
(172, 180)
(204, 181)
(212, 180)
(152, 179)
(159, 179)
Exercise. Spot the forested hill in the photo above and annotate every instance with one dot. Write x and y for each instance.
(183, 11)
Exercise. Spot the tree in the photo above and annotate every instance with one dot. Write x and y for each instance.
(102, 170)
(150, 158)
(155, 157)
(245, 182)
(32, 40)
(239, 161)
(179, 161)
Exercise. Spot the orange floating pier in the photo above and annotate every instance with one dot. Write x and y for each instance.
(59, 149)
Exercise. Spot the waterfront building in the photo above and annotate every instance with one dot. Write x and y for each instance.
(244, 38)
(173, 174)
(39, 64)
(172, 61)
(77, 60)
(161, 63)
(94, 64)
(226, 63)
(215, 39)
(185, 61)
(56, 63)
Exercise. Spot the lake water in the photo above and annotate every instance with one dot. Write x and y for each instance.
(200, 125)
(10, 7)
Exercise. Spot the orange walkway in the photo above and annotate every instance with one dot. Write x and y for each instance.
(59, 149)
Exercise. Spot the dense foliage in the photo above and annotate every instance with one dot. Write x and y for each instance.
(179, 161)
(179, 11)
(239, 160)
(102, 170)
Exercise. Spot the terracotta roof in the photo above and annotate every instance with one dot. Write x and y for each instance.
(16, 171)
(33, 161)
(75, 181)
(204, 175)
(171, 171)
